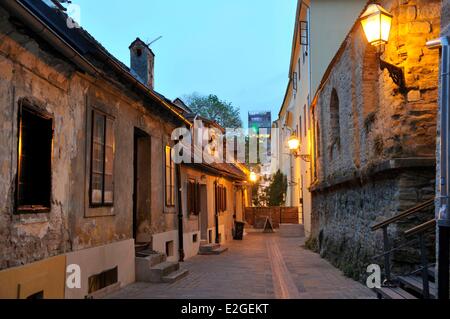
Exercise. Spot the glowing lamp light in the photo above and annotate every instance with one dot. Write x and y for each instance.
(293, 143)
(253, 177)
(376, 22)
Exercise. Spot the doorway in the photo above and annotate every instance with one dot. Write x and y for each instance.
(204, 212)
(142, 185)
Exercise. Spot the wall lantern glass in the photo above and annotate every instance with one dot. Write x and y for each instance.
(293, 143)
(376, 22)
(253, 177)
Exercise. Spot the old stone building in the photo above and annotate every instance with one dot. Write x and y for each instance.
(376, 140)
(86, 172)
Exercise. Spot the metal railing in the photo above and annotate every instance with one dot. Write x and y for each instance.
(418, 231)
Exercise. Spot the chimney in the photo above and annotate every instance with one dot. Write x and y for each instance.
(142, 62)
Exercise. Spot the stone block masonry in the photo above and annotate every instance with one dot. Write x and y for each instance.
(384, 162)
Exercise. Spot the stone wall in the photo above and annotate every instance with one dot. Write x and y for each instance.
(383, 159)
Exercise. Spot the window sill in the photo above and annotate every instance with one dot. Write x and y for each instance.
(31, 210)
(170, 210)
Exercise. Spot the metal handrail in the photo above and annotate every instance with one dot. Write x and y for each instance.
(404, 214)
(431, 224)
(409, 243)
(418, 230)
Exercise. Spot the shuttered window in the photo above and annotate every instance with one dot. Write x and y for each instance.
(221, 198)
(169, 178)
(193, 198)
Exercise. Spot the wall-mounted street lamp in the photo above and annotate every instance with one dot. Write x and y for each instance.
(294, 147)
(376, 22)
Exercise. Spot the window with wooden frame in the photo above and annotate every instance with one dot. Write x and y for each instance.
(221, 198)
(193, 198)
(294, 81)
(169, 178)
(33, 192)
(102, 160)
(304, 33)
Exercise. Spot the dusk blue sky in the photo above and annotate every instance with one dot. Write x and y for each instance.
(236, 49)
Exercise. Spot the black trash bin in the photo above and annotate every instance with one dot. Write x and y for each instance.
(239, 230)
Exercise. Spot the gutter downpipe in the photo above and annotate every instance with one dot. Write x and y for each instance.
(180, 215)
(216, 211)
(443, 218)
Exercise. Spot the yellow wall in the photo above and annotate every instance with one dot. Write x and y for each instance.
(47, 276)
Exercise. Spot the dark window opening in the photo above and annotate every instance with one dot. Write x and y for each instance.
(37, 296)
(139, 52)
(195, 238)
(34, 161)
(334, 119)
(103, 280)
(102, 160)
(169, 248)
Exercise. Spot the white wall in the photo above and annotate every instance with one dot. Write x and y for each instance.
(96, 260)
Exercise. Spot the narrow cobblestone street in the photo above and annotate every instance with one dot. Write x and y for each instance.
(261, 266)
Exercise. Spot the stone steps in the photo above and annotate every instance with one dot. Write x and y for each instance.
(209, 247)
(175, 276)
(159, 271)
(155, 268)
(212, 249)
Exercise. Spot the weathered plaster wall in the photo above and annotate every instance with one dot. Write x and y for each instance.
(357, 183)
(31, 69)
(29, 72)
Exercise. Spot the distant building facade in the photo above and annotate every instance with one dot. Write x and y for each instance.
(320, 28)
(260, 126)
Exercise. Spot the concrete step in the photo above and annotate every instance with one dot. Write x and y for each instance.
(216, 251)
(415, 283)
(208, 247)
(393, 293)
(175, 276)
(163, 269)
(292, 230)
(144, 264)
(153, 258)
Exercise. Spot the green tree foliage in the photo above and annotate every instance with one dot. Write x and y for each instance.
(277, 189)
(215, 109)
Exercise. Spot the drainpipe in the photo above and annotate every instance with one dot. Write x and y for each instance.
(216, 212)
(443, 219)
(180, 215)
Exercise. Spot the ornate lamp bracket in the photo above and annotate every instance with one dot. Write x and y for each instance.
(396, 73)
(304, 157)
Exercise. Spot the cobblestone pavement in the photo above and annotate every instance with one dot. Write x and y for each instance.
(262, 266)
